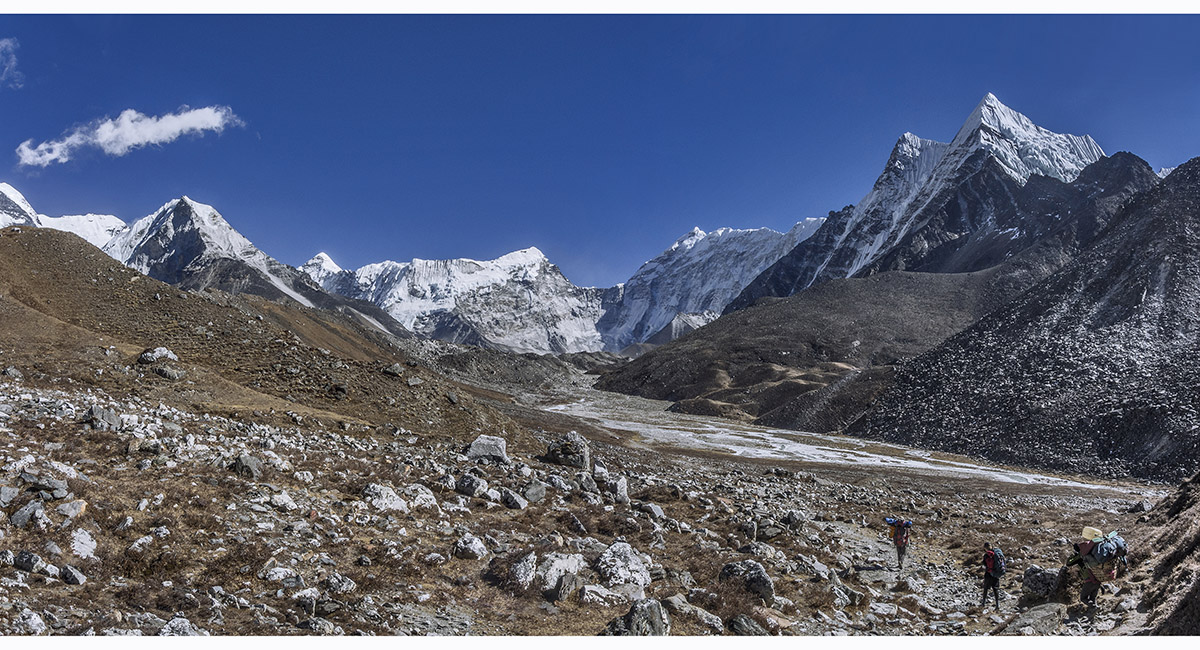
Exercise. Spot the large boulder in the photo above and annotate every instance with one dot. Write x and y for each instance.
(556, 565)
(571, 450)
(750, 576)
(382, 497)
(680, 607)
(471, 485)
(646, 617)
(1039, 582)
(493, 448)
(248, 466)
(469, 547)
(620, 564)
(1042, 620)
(151, 355)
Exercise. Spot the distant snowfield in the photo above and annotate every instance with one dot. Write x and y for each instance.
(657, 427)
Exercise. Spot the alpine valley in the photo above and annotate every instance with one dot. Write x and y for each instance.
(1000, 341)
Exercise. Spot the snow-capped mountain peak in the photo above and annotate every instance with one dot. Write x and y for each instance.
(14, 209)
(320, 267)
(1022, 147)
(1164, 172)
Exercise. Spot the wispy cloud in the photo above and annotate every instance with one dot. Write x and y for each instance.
(9, 74)
(130, 130)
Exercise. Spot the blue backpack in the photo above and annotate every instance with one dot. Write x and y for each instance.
(1000, 565)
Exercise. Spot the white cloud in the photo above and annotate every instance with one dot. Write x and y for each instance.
(9, 74)
(130, 130)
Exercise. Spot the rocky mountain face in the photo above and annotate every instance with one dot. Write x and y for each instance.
(189, 244)
(932, 202)
(518, 302)
(791, 363)
(1095, 369)
(691, 282)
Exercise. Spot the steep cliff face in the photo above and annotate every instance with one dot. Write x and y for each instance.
(930, 193)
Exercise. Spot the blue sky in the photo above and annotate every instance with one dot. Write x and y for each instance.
(599, 139)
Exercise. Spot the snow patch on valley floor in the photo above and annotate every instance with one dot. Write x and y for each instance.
(657, 427)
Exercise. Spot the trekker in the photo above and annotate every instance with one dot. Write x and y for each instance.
(899, 533)
(1098, 556)
(1091, 584)
(994, 566)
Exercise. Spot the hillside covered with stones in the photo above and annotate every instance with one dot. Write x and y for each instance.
(1096, 369)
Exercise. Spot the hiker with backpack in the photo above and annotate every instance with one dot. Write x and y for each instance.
(898, 531)
(1097, 556)
(994, 566)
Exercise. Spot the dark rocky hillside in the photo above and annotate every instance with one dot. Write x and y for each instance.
(762, 362)
(1095, 369)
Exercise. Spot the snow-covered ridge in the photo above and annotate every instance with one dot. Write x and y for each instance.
(1164, 172)
(699, 274)
(97, 229)
(519, 301)
(15, 210)
(1022, 147)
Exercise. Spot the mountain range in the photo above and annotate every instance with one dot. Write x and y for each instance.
(519, 302)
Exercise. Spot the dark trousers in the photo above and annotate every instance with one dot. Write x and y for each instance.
(900, 550)
(1087, 593)
(990, 582)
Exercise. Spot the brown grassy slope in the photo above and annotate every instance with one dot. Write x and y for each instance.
(770, 356)
(64, 302)
(1167, 549)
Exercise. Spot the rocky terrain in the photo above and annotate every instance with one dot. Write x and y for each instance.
(193, 462)
(1095, 368)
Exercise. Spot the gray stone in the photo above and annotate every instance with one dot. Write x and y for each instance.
(29, 623)
(168, 372)
(248, 466)
(493, 448)
(597, 595)
(812, 567)
(524, 570)
(1038, 582)
(31, 514)
(512, 500)
(339, 584)
(30, 562)
(150, 355)
(12, 373)
(1043, 620)
(646, 617)
(180, 626)
(752, 577)
(555, 565)
(72, 576)
(469, 547)
(7, 558)
(568, 585)
(319, 625)
(415, 381)
(617, 486)
(1141, 506)
(394, 370)
(535, 492)
(102, 419)
(621, 564)
(572, 451)
(681, 608)
(7, 494)
(743, 625)
(382, 497)
(283, 575)
(72, 509)
(471, 485)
